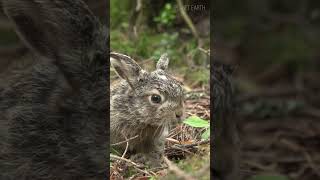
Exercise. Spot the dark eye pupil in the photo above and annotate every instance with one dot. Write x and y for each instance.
(156, 98)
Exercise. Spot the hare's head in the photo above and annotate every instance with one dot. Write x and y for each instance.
(151, 98)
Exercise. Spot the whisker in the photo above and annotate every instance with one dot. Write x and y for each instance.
(155, 132)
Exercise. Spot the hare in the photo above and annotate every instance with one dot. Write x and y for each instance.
(53, 120)
(144, 104)
(226, 144)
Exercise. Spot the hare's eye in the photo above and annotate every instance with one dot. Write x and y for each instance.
(155, 98)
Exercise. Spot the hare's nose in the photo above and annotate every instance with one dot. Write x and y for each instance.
(179, 115)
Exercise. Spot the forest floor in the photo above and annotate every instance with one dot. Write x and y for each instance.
(187, 153)
(280, 129)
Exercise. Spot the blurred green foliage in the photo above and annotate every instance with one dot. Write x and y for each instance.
(148, 45)
(119, 13)
(167, 15)
(150, 41)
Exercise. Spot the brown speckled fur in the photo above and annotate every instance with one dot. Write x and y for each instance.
(133, 114)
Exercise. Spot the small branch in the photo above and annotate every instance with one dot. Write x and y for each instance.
(188, 21)
(125, 151)
(139, 5)
(196, 143)
(126, 160)
(135, 165)
(122, 142)
(207, 52)
(172, 140)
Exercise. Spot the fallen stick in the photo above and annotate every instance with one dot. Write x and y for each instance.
(122, 142)
(126, 160)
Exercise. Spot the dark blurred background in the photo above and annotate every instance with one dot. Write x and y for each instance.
(274, 47)
(12, 52)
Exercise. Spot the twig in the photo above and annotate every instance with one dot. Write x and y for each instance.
(188, 20)
(172, 140)
(300, 172)
(139, 5)
(135, 165)
(126, 160)
(260, 166)
(207, 52)
(122, 142)
(175, 169)
(311, 163)
(125, 151)
(196, 143)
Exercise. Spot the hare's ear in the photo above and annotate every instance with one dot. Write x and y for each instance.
(125, 67)
(163, 62)
(52, 29)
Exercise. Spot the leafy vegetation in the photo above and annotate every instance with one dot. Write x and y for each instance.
(197, 122)
(145, 32)
(167, 15)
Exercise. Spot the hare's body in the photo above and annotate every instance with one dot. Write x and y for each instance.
(54, 112)
(143, 104)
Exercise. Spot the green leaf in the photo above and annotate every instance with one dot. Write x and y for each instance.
(195, 121)
(269, 177)
(168, 6)
(206, 134)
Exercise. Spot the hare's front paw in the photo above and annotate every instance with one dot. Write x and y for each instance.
(152, 159)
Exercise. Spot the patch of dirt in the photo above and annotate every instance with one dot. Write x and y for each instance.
(280, 131)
